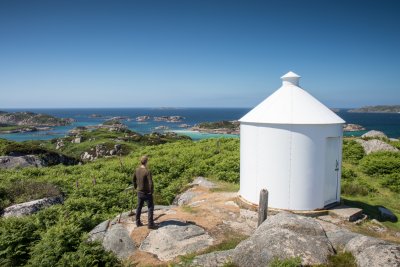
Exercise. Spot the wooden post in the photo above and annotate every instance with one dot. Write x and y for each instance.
(263, 206)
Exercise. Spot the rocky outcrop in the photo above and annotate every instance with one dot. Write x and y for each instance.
(374, 134)
(375, 145)
(117, 240)
(60, 144)
(369, 252)
(350, 127)
(201, 181)
(11, 162)
(185, 198)
(31, 207)
(175, 238)
(284, 235)
(100, 151)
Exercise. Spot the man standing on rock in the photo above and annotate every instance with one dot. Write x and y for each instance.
(143, 182)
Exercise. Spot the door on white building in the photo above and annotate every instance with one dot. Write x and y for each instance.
(332, 170)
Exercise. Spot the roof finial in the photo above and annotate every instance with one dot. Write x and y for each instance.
(290, 78)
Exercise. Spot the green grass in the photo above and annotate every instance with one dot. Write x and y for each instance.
(341, 259)
(290, 262)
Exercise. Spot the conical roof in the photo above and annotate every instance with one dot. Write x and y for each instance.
(291, 105)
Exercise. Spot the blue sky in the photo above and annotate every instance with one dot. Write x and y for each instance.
(196, 53)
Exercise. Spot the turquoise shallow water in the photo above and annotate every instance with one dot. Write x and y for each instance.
(388, 123)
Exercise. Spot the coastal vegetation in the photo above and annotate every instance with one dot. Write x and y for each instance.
(378, 109)
(95, 191)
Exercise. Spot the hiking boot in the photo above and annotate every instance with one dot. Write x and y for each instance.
(138, 224)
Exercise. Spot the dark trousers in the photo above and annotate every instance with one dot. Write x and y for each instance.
(148, 198)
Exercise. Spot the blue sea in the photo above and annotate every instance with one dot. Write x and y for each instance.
(389, 123)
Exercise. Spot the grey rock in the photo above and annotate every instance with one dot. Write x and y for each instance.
(174, 238)
(374, 134)
(87, 156)
(213, 259)
(201, 181)
(77, 140)
(101, 150)
(117, 240)
(283, 236)
(31, 207)
(98, 233)
(369, 252)
(339, 239)
(11, 162)
(387, 214)
(383, 256)
(375, 145)
(117, 147)
(185, 198)
(358, 244)
(60, 144)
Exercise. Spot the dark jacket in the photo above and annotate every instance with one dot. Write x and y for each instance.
(142, 181)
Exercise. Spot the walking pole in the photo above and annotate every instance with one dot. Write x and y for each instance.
(133, 197)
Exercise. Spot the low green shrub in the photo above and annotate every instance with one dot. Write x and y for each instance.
(348, 174)
(342, 259)
(392, 181)
(55, 242)
(88, 255)
(381, 163)
(290, 262)
(26, 190)
(357, 188)
(16, 238)
(353, 152)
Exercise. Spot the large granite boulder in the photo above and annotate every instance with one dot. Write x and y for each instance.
(375, 145)
(31, 207)
(174, 238)
(117, 240)
(284, 235)
(10, 162)
(374, 134)
(370, 252)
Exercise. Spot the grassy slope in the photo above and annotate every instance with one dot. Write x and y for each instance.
(380, 195)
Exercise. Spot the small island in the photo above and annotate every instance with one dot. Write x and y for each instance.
(219, 127)
(169, 118)
(21, 122)
(350, 127)
(377, 109)
(142, 118)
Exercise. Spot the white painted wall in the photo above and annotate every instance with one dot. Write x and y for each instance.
(288, 160)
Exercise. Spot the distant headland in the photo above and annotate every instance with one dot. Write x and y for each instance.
(377, 109)
(19, 122)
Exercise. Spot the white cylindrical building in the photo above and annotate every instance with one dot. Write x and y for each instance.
(291, 144)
